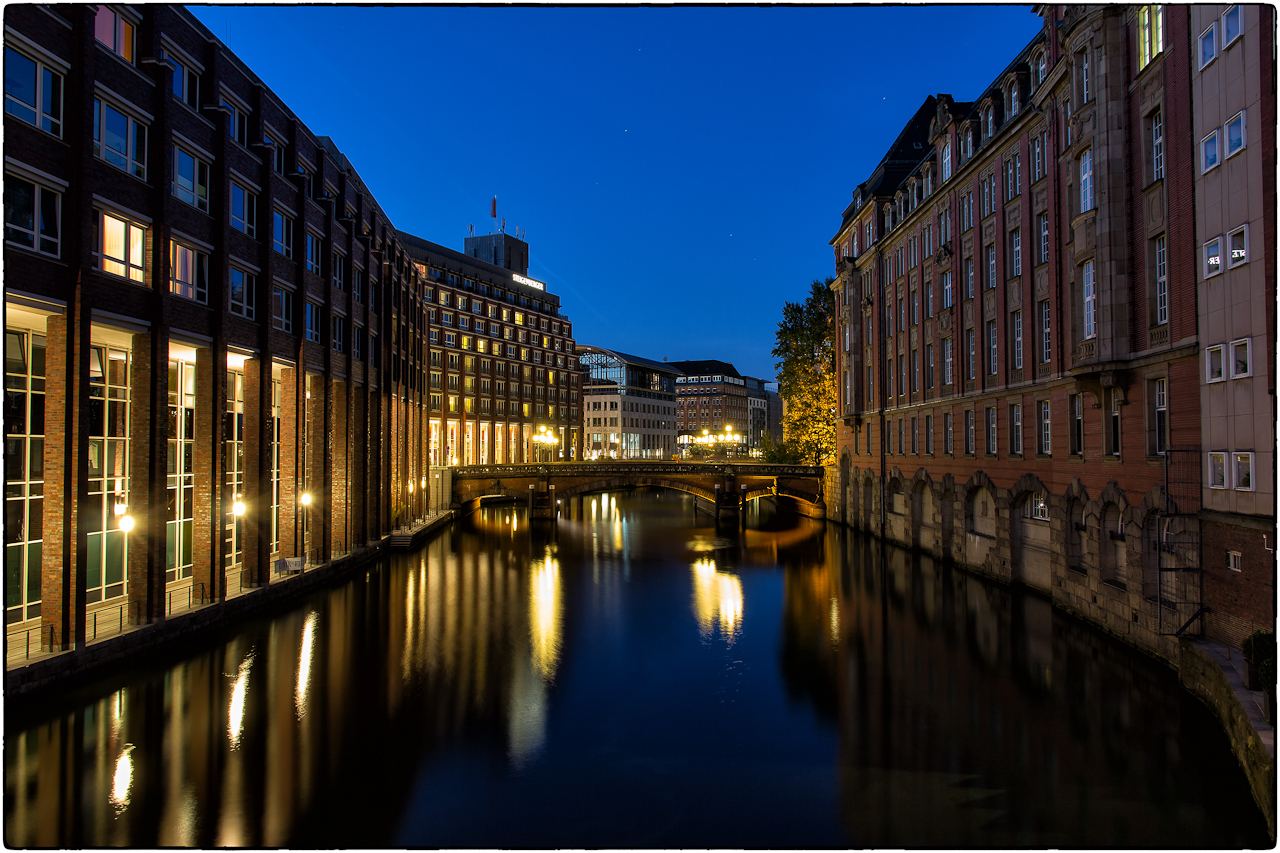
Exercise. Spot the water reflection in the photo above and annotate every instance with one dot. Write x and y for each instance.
(518, 684)
(717, 601)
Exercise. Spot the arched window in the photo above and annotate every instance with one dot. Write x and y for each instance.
(1013, 100)
(991, 122)
(1040, 69)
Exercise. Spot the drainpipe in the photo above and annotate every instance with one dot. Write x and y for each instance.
(880, 372)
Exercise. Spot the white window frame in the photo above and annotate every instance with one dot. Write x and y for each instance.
(1044, 238)
(1162, 281)
(1017, 340)
(948, 374)
(1209, 145)
(238, 120)
(1235, 562)
(1220, 352)
(970, 439)
(40, 242)
(244, 306)
(1247, 345)
(1157, 146)
(992, 348)
(197, 289)
(1017, 252)
(44, 74)
(1211, 33)
(971, 366)
(1086, 181)
(992, 433)
(1245, 457)
(946, 290)
(1046, 332)
(1015, 429)
(948, 432)
(991, 267)
(1089, 290)
(1160, 399)
(1232, 260)
(313, 252)
(1046, 429)
(121, 38)
(1226, 135)
(1220, 458)
(1227, 38)
(1211, 249)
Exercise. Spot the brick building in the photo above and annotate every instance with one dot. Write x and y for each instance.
(214, 334)
(711, 396)
(1233, 78)
(1018, 355)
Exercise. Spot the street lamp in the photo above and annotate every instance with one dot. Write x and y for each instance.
(544, 438)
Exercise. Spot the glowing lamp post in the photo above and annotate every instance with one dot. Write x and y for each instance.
(545, 439)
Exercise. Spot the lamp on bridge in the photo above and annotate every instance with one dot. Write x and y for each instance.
(545, 439)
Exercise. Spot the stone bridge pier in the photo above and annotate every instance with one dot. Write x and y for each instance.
(723, 489)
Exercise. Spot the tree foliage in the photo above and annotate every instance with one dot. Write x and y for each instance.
(805, 350)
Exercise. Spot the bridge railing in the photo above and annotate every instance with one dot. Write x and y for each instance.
(586, 469)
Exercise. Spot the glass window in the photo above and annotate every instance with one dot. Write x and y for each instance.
(1162, 283)
(1209, 152)
(32, 92)
(1243, 465)
(1231, 25)
(241, 287)
(244, 210)
(1238, 247)
(238, 124)
(112, 30)
(1209, 45)
(311, 321)
(1240, 362)
(282, 234)
(119, 139)
(1213, 257)
(1217, 470)
(1017, 340)
(1235, 134)
(121, 247)
(282, 309)
(186, 82)
(1086, 181)
(1214, 368)
(32, 216)
(190, 179)
(1090, 302)
(188, 272)
(1150, 34)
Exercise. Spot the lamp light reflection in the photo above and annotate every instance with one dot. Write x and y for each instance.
(122, 782)
(544, 616)
(235, 719)
(304, 664)
(717, 600)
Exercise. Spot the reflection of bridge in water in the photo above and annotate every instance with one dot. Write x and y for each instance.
(723, 489)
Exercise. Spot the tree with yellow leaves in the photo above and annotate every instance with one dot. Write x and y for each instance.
(805, 350)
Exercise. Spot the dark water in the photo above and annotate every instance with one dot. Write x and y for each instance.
(638, 678)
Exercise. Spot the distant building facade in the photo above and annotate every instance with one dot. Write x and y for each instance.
(710, 396)
(629, 405)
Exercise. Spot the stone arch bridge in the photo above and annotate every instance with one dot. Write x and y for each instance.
(720, 487)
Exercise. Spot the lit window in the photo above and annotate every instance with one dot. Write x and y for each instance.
(188, 272)
(32, 92)
(113, 30)
(121, 247)
(32, 216)
(1150, 34)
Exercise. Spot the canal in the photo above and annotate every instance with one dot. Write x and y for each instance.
(634, 676)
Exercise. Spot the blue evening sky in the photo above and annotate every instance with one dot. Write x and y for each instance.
(679, 171)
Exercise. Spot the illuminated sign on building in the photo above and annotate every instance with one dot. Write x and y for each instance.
(519, 279)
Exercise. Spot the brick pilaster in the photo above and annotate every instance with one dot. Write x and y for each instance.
(209, 570)
(148, 446)
(289, 445)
